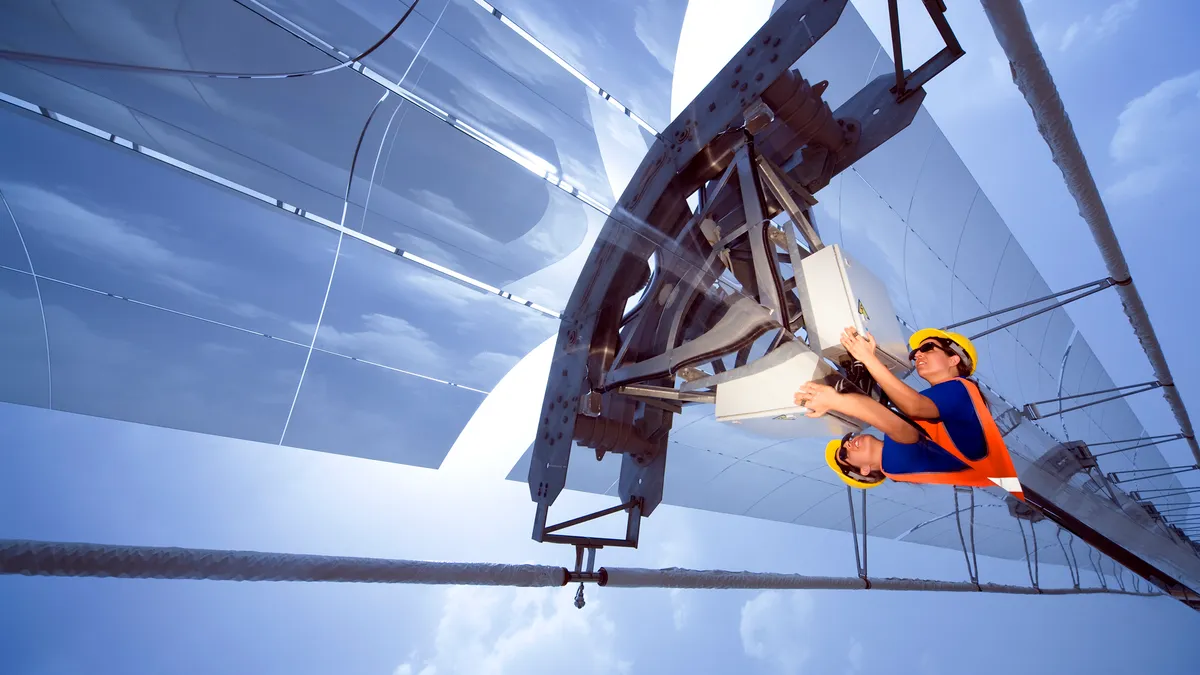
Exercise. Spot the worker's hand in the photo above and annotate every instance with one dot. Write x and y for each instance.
(818, 398)
(861, 347)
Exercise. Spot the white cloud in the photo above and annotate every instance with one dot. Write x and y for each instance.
(649, 21)
(73, 226)
(857, 656)
(1093, 28)
(1156, 137)
(492, 631)
(774, 628)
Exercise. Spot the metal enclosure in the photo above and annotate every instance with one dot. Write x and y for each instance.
(761, 399)
(837, 292)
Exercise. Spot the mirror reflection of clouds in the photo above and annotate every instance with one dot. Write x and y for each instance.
(216, 270)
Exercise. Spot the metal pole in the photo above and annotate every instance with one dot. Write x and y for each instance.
(37, 558)
(59, 559)
(1033, 78)
(617, 577)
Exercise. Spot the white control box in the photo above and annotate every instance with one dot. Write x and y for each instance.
(835, 293)
(761, 396)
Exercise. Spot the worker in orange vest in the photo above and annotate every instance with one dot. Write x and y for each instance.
(949, 437)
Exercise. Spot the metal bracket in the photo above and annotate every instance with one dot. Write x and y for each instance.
(545, 533)
(1145, 442)
(907, 85)
(860, 562)
(1088, 289)
(972, 569)
(1167, 492)
(1031, 412)
(1165, 471)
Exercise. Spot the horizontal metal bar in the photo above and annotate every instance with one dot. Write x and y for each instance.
(667, 393)
(1181, 468)
(1169, 492)
(617, 577)
(590, 542)
(1099, 286)
(1113, 476)
(589, 517)
(1145, 443)
(58, 559)
(62, 559)
(1032, 412)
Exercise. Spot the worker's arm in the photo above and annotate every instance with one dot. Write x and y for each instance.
(820, 399)
(907, 399)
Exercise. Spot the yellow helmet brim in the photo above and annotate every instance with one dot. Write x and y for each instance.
(960, 340)
(831, 450)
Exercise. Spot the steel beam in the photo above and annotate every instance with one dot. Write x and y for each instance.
(1032, 77)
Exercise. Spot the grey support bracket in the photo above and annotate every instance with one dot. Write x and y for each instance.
(1144, 442)
(1083, 291)
(1115, 476)
(860, 562)
(1032, 412)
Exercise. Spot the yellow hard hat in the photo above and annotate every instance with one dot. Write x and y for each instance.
(849, 477)
(961, 341)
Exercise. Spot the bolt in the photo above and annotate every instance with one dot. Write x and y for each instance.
(750, 52)
(737, 68)
(735, 84)
(546, 436)
(551, 441)
(774, 58)
(777, 41)
(560, 434)
(743, 87)
(766, 39)
(560, 398)
(758, 77)
(564, 419)
(712, 107)
(546, 420)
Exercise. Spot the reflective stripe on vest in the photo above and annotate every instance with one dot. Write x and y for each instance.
(994, 469)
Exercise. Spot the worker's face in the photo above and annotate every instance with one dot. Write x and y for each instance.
(934, 361)
(862, 452)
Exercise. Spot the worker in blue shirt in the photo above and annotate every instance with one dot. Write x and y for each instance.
(949, 436)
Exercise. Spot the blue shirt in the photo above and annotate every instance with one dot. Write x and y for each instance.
(956, 411)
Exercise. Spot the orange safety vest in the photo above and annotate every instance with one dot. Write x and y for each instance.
(995, 469)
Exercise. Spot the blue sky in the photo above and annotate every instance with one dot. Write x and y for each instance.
(75, 478)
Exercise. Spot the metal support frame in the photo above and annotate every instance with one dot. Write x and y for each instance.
(1072, 561)
(906, 85)
(1031, 411)
(633, 509)
(1167, 492)
(1092, 555)
(1088, 289)
(1035, 571)
(860, 563)
(1145, 442)
(972, 569)
(59, 559)
(1164, 471)
(757, 118)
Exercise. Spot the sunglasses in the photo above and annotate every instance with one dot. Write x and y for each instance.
(843, 456)
(928, 347)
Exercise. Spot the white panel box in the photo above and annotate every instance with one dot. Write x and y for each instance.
(760, 397)
(835, 293)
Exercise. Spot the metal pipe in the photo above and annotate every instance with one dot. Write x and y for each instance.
(1033, 78)
(618, 577)
(61, 559)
